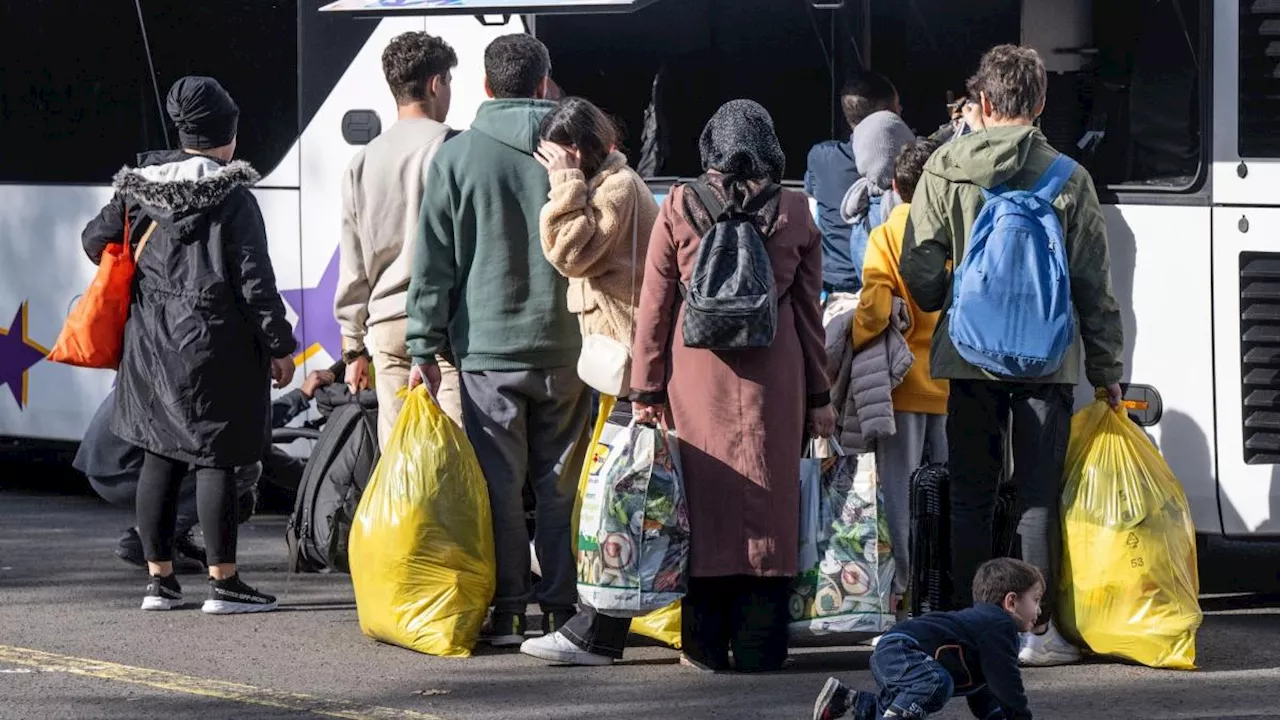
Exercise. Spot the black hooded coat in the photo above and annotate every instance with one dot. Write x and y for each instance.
(194, 381)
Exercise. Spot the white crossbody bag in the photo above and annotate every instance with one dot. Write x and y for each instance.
(605, 363)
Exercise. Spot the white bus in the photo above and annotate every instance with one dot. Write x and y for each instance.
(1173, 105)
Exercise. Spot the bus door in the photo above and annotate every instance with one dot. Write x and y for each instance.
(1246, 263)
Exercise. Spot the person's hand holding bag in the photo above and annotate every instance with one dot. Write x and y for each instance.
(428, 373)
(822, 421)
(647, 414)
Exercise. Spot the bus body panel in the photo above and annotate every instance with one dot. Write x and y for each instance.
(1261, 177)
(1250, 494)
(1159, 262)
(50, 271)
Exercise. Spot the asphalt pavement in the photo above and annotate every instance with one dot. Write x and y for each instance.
(73, 644)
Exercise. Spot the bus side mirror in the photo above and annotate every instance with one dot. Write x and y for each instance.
(360, 127)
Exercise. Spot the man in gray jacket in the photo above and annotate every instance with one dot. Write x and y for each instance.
(381, 197)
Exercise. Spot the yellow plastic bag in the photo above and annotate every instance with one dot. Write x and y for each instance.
(1130, 587)
(661, 625)
(422, 558)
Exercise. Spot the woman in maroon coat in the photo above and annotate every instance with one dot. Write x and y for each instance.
(743, 415)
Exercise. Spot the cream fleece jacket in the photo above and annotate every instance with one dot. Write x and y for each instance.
(381, 199)
(587, 227)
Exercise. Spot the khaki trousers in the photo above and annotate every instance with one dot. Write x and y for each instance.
(391, 366)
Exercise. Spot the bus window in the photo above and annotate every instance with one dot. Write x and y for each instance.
(1259, 131)
(676, 61)
(1125, 78)
(251, 48)
(76, 100)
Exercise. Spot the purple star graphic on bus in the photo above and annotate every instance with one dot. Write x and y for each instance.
(17, 354)
(317, 328)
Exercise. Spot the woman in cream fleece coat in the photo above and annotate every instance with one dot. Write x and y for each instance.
(595, 232)
(597, 208)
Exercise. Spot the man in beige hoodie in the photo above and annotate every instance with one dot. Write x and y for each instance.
(381, 197)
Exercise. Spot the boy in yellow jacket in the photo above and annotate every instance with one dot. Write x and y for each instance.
(919, 402)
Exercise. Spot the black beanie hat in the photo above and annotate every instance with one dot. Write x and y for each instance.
(205, 115)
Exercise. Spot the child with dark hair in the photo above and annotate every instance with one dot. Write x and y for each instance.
(922, 663)
(919, 402)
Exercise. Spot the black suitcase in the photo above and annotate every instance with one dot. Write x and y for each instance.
(930, 535)
(929, 588)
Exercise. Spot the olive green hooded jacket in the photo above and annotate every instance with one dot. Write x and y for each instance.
(947, 201)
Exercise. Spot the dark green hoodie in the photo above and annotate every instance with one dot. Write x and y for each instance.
(480, 285)
(948, 200)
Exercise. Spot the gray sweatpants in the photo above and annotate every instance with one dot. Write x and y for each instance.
(897, 458)
(530, 426)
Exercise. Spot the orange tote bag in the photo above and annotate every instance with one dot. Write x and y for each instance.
(93, 335)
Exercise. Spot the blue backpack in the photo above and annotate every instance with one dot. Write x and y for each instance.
(1011, 311)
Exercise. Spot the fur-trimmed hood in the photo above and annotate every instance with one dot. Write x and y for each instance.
(184, 183)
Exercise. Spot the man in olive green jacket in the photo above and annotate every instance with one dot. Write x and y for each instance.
(1006, 148)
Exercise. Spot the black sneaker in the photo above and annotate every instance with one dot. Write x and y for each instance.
(835, 701)
(129, 549)
(185, 548)
(232, 597)
(553, 620)
(163, 593)
(506, 630)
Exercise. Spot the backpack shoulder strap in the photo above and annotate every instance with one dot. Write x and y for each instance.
(759, 201)
(146, 237)
(708, 199)
(1055, 178)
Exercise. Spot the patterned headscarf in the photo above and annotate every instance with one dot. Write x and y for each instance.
(743, 157)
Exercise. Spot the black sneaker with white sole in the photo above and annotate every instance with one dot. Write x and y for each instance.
(163, 593)
(232, 597)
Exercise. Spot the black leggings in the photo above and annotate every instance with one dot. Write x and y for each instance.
(158, 486)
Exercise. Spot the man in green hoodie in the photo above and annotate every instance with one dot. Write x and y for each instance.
(481, 287)
(1008, 94)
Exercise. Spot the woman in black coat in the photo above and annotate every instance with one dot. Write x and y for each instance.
(206, 334)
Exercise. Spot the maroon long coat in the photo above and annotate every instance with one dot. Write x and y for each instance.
(741, 415)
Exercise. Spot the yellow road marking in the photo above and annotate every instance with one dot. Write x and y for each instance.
(187, 684)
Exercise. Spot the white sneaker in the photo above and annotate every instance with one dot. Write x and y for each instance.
(1047, 650)
(556, 648)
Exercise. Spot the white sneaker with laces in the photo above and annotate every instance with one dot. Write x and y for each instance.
(556, 648)
(1047, 650)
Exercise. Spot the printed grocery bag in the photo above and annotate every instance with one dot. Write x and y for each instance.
(633, 531)
(661, 625)
(1130, 586)
(849, 591)
(421, 552)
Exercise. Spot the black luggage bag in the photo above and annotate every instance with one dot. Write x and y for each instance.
(345, 454)
(930, 584)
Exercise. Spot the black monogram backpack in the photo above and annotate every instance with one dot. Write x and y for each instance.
(731, 301)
